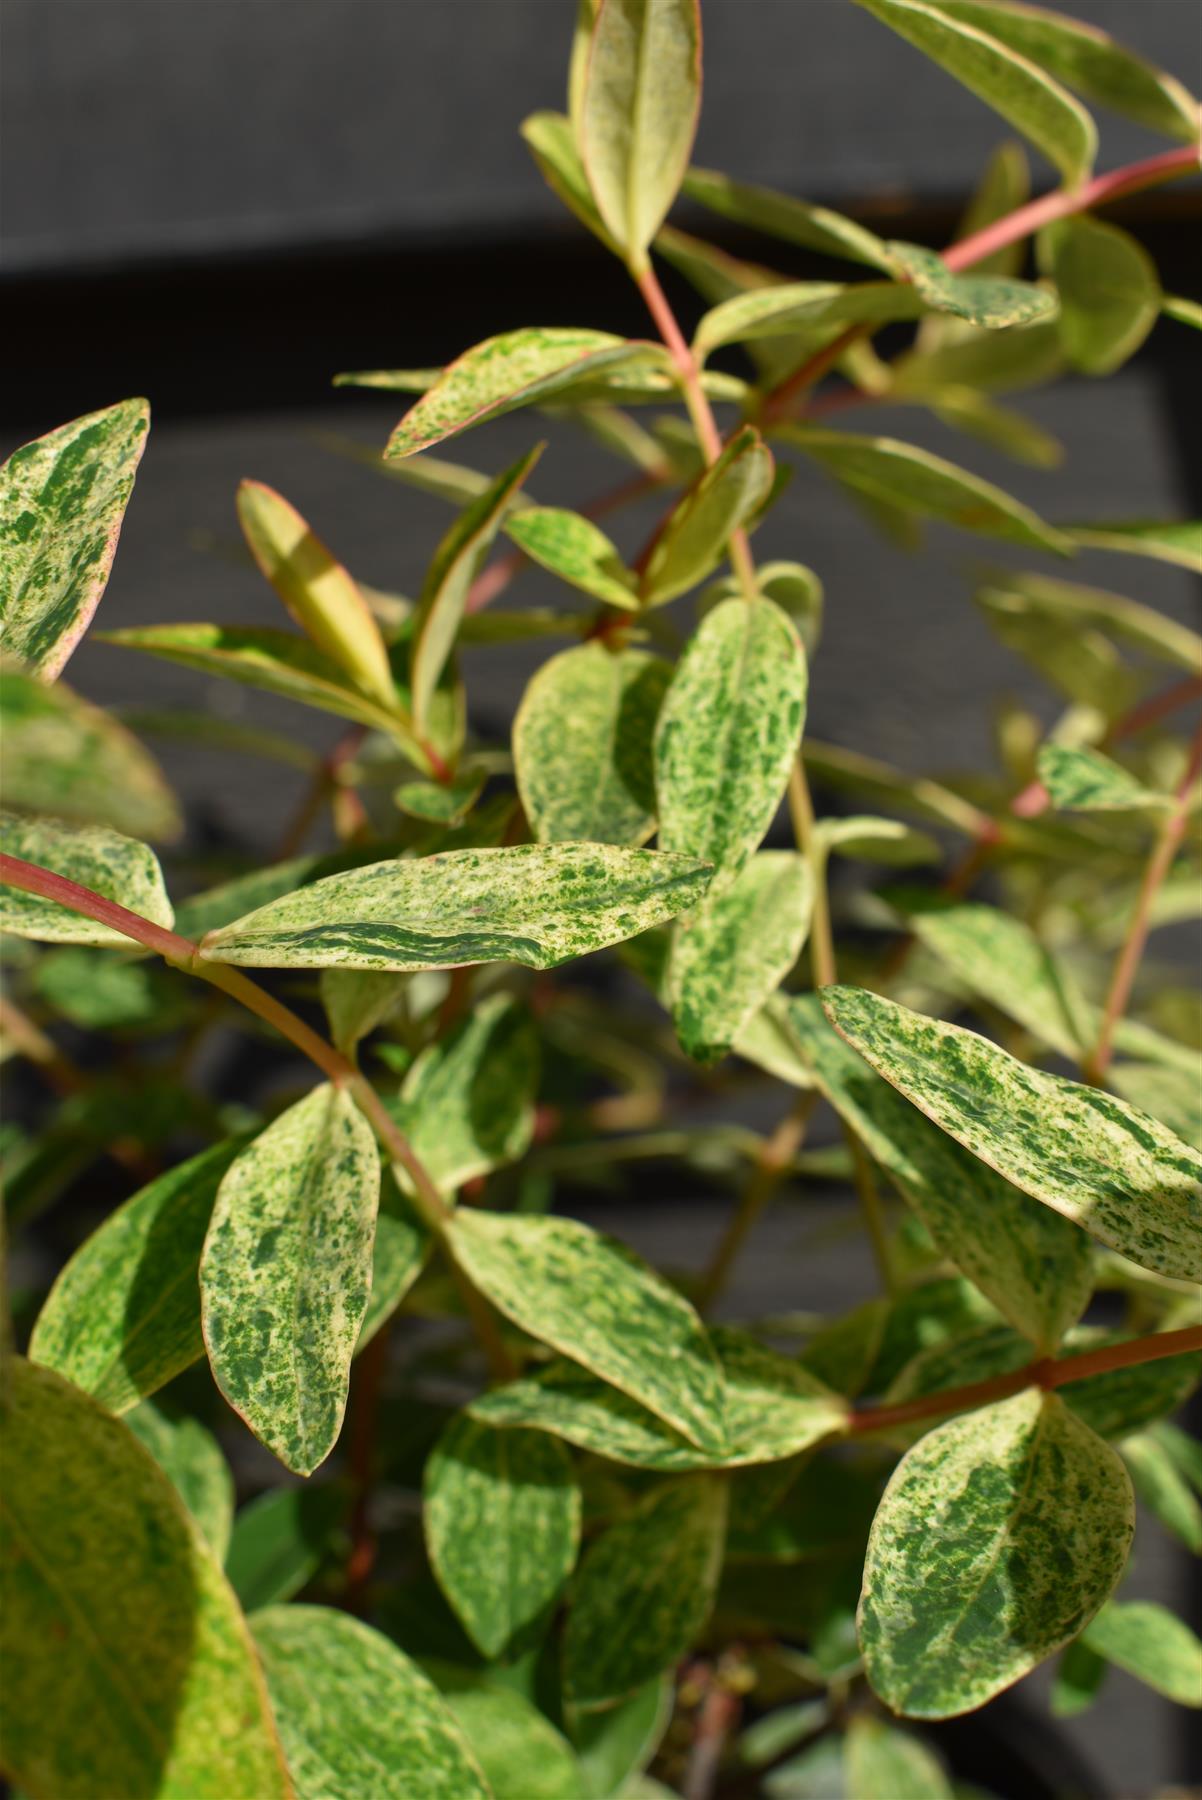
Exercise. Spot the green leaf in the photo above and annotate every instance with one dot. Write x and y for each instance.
(1161, 1487)
(457, 561)
(990, 301)
(1035, 1266)
(1001, 427)
(399, 1254)
(772, 1406)
(1078, 608)
(998, 1537)
(848, 771)
(537, 904)
(1087, 60)
(880, 468)
(804, 306)
(279, 1542)
(512, 370)
(725, 498)
(1078, 1678)
(355, 1715)
(983, 362)
(1109, 292)
(191, 1458)
(730, 954)
(782, 216)
(123, 1317)
(1186, 312)
(151, 1660)
(501, 1515)
(1152, 1644)
(1114, 1171)
(1177, 541)
(576, 550)
(596, 1302)
(356, 1001)
(65, 757)
(884, 1763)
(286, 1271)
(1087, 781)
(552, 143)
(521, 1753)
(1004, 186)
(728, 732)
(582, 745)
(869, 839)
(467, 1103)
(62, 500)
(1035, 104)
(645, 1590)
(118, 868)
(790, 585)
(638, 114)
(614, 1746)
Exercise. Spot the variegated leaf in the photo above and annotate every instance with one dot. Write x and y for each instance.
(731, 953)
(1087, 781)
(501, 1516)
(62, 500)
(790, 585)
(582, 745)
(538, 904)
(286, 1271)
(724, 499)
(1114, 1171)
(727, 734)
(595, 1301)
(998, 1537)
(118, 868)
(986, 300)
(576, 550)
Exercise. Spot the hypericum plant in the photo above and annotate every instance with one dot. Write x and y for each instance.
(732, 1555)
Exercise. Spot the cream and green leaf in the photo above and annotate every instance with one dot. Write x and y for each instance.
(725, 498)
(1080, 780)
(117, 868)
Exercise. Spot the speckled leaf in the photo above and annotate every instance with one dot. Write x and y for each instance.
(123, 1317)
(869, 839)
(280, 1539)
(730, 954)
(783, 216)
(467, 1103)
(286, 1271)
(1176, 541)
(790, 585)
(119, 868)
(501, 1515)
(990, 301)
(773, 1409)
(537, 904)
(1114, 1171)
(1087, 781)
(998, 1537)
(356, 1717)
(552, 143)
(1082, 607)
(512, 370)
(1035, 104)
(884, 1763)
(440, 803)
(1172, 1095)
(1035, 1266)
(318, 592)
(1087, 60)
(638, 113)
(151, 1664)
(582, 745)
(576, 550)
(457, 562)
(595, 1301)
(67, 758)
(645, 1590)
(191, 1458)
(521, 1753)
(1109, 292)
(402, 1246)
(357, 1000)
(881, 468)
(727, 495)
(1152, 1644)
(727, 734)
(803, 306)
(62, 500)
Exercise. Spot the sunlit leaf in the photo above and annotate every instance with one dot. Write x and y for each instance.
(191, 1458)
(576, 550)
(1114, 1171)
(552, 143)
(116, 867)
(62, 500)
(1172, 1095)
(582, 745)
(286, 1271)
(1109, 292)
(538, 904)
(151, 1659)
(999, 1536)
(1152, 1644)
(725, 498)
(780, 215)
(1086, 781)
(501, 1515)
(727, 734)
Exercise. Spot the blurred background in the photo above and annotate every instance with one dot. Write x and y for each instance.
(221, 203)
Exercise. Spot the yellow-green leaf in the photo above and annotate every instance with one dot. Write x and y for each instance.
(521, 1753)
(1087, 781)
(884, 1763)
(866, 838)
(582, 745)
(576, 550)
(998, 1537)
(783, 216)
(1077, 608)
(191, 1459)
(62, 500)
(1152, 1644)
(1114, 1171)
(117, 1621)
(116, 867)
(804, 306)
(356, 1001)
(724, 499)
(286, 1271)
(501, 1516)
(991, 301)
(1163, 540)
(1109, 292)
(537, 904)
(728, 731)
(552, 142)
(638, 113)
